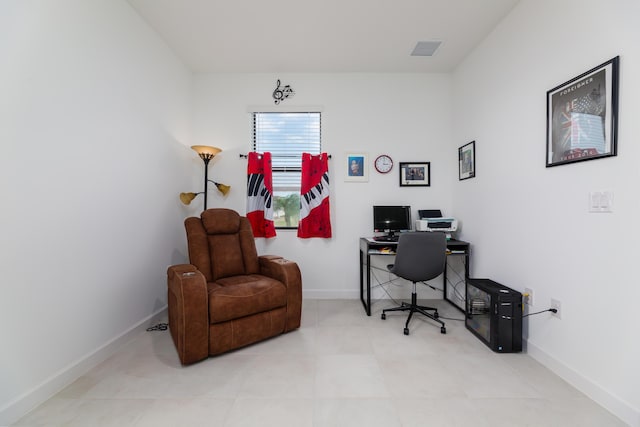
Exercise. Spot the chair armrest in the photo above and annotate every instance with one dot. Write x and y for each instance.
(288, 273)
(188, 312)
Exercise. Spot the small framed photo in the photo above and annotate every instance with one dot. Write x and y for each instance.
(356, 167)
(467, 161)
(416, 174)
(582, 116)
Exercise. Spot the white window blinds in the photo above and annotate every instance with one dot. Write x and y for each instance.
(286, 136)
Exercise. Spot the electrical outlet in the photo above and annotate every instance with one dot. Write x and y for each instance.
(528, 299)
(558, 306)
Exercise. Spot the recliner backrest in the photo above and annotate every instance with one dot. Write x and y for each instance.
(221, 244)
(420, 256)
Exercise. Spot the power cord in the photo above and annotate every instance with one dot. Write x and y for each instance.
(553, 310)
(392, 281)
(158, 327)
(460, 281)
(431, 286)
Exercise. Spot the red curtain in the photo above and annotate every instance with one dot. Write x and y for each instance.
(260, 194)
(315, 218)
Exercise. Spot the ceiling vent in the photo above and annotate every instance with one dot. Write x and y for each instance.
(426, 48)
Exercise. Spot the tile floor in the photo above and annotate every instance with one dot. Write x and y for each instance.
(341, 368)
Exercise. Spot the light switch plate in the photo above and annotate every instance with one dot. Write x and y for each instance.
(601, 201)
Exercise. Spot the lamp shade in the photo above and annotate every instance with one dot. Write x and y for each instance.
(206, 150)
(186, 198)
(223, 188)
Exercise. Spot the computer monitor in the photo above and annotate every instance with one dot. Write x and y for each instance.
(391, 219)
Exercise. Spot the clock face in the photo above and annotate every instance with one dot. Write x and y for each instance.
(383, 164)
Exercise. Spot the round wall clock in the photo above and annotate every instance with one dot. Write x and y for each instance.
(383, 163)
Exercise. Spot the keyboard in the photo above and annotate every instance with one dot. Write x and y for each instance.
(386, 238)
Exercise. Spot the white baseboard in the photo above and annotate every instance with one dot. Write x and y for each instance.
(613, 404)
(23, 404)
(377, 293)
(330, 294)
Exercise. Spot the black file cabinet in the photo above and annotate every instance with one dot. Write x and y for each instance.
(494, 315)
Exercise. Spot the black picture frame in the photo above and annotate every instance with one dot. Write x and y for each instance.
(582, 116)
(415, 174)
(467, 161)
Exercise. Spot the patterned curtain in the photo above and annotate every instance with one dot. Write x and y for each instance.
(315, 218)
(260, 194)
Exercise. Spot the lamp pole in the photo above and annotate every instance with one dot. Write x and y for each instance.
(206, 160)
(206, 153)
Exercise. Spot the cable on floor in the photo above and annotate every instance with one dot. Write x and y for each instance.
(158, 327)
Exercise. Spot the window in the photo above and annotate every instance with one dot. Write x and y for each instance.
(286, 136)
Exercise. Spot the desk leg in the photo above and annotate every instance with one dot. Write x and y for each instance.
(366, 304)
(466, 280)
(368, 284)
(362, 281)
(444, 279)
(466, 277)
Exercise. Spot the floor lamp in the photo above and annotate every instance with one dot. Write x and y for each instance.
(206, 153)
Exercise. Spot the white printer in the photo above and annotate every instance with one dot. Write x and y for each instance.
(432, 220)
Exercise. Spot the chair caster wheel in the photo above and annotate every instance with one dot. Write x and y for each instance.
(406, 331)
(443, 330)
(436, 315)
(383, 316)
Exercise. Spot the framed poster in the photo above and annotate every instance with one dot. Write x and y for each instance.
(417, 174)
(467, 161)
(356, 167)
(582, 116)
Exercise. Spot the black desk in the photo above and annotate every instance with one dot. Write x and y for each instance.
(370, 247)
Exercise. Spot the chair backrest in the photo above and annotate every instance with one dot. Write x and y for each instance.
(420, 256)
(221, 244)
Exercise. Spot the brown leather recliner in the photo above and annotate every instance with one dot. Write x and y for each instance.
(229, 297)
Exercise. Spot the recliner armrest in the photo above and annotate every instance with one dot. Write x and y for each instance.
(188, 312)
(288, 273)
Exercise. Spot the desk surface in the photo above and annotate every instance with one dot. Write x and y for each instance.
(452, 244)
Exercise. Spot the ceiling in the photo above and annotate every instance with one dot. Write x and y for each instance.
(313, 36)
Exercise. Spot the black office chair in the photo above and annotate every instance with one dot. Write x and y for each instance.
(420, 256)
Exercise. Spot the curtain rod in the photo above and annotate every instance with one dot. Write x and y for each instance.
(245, 156)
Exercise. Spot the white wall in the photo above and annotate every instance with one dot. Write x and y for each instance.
(530, 225)
(407, 116)
(94, 114)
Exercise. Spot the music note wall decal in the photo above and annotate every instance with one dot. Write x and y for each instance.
(281, 94)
